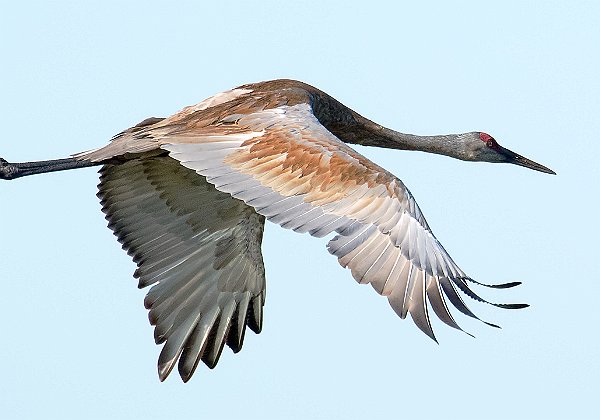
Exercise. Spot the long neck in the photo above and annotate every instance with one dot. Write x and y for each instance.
(351, 127)
(367, 133)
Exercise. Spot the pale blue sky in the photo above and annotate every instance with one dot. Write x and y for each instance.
(75, 338)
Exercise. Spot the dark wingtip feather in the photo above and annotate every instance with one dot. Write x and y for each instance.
(235, 338)
(255, 314)
(185, 371)
(512, 305)
(460, 282)
(468, 333)
(211, 356)
(166, 362)
(494, 286)
(448, 287)
(163, 372)
(507, 285)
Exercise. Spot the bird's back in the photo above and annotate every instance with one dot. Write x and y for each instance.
(219, 114)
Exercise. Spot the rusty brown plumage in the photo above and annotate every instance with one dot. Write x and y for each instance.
(188, 196)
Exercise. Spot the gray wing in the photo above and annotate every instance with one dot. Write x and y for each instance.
(197, 247)
(297, 174)
(292, 170)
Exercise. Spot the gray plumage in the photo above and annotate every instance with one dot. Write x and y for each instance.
(188, 196)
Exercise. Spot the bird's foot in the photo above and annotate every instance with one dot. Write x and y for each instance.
(7, 169)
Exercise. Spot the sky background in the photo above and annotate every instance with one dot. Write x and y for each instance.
(75, 339)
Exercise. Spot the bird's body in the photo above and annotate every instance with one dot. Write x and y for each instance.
(188, 195)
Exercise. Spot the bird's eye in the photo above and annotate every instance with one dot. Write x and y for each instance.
(491, 143)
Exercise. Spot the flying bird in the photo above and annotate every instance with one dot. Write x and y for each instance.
(187, 196)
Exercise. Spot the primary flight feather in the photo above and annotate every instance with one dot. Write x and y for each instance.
(188, 196)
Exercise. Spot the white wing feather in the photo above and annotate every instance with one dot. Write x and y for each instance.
(382, 235)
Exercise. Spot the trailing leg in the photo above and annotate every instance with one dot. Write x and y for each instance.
(16, 170)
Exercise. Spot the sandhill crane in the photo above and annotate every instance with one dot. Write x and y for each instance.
(188, 196)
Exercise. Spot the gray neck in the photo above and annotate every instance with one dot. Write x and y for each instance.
(351, 127)
(369, 133)
(453, 145)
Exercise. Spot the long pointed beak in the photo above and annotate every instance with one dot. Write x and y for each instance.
(516, 159)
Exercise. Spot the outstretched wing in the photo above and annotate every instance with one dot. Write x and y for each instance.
(197, 247)
(292, 170)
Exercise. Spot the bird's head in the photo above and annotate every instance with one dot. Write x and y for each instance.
(482, 147)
